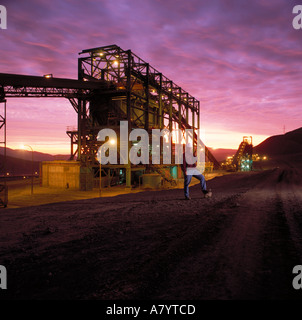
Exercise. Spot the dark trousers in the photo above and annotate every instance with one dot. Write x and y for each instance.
(187, 180)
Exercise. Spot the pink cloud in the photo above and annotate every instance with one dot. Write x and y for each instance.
(240, 59)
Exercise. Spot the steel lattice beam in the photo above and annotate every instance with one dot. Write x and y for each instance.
(16, 85)
(129, 72)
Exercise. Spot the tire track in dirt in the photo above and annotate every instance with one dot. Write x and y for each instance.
(241, 244)
(215, 268)
(199, 235)
(192, 234)
(250, 256)
(282, 240)
(290, 195)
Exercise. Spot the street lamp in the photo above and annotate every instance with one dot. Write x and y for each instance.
(32, 167)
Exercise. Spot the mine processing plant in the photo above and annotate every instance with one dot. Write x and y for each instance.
(243, 158)
(113, 85)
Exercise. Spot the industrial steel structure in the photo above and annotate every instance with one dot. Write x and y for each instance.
(113, 85)
(243, 158)
(3, 186)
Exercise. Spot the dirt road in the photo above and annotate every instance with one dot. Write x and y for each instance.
(241, 244)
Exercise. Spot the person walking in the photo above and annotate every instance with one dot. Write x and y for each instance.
(189, 169)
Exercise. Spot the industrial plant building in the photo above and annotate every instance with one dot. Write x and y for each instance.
(113, 85)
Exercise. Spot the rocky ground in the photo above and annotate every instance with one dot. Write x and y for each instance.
(241, 244)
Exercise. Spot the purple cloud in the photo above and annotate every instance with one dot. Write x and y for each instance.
(241, 59)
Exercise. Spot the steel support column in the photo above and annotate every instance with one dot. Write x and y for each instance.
(129, 111)
(147, 93)
(3, 186)
(160, 102)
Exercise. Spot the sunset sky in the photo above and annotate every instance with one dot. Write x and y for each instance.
(241, 59)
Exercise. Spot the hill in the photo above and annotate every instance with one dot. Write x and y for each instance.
(16, 167)
(221, 154)
(19, 162)
(286, 144)
(27, 155)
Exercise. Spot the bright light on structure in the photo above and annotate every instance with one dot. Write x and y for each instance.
(115, 63)
(48, 76)
(113, 141)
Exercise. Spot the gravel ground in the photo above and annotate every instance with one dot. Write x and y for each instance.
(241, 244)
